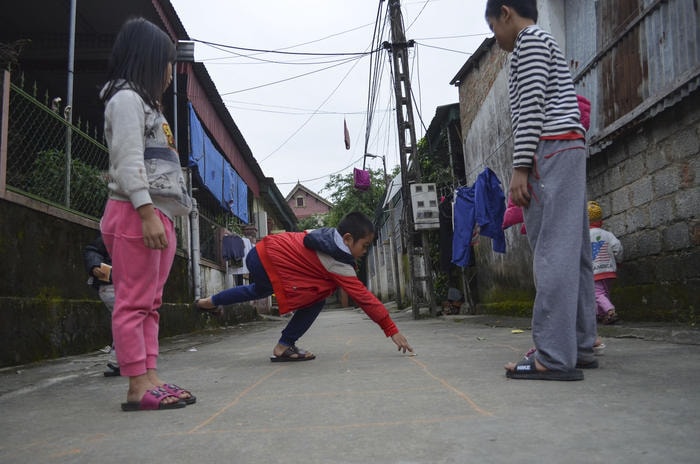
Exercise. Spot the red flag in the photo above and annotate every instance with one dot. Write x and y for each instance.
(347, 135)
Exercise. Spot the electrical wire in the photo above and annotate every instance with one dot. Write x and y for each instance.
(304, 43)
(416, 67)
(356, 59)
(323, 176)
(375, 70)
(282, 52)
(279, 109)
(454, 36)
(420, 117)
(461, 52)
(374, 73)
(300, 62)
(418, 15)
(375, 81)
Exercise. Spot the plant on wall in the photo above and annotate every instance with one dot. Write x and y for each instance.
(88, 184)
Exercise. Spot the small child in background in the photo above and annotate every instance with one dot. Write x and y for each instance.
(607, 254)
(98, 265)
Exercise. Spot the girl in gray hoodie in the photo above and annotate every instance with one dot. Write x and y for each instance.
(146, 191)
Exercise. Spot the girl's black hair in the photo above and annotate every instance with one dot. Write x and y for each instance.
(140, 58)
(525, 8)
(356, 224)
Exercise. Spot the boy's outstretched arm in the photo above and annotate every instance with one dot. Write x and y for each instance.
(401, 342)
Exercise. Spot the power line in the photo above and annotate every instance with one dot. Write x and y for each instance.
(281, 52)
(446, 49)
(265, 61)
(291, 78)
(315, 40)
(323, 176)
(279, 109)
(314, 114)
(463, 36)
(374, 74)
(418, 15)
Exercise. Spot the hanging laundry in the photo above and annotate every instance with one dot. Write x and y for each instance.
(240, 270)
(233, 249)
(482, 204)
(446, 234)
(346, 133)
(361, 179)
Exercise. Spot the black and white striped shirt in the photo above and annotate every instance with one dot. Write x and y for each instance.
(542, 96)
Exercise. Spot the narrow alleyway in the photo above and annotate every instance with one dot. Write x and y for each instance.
(361, 401)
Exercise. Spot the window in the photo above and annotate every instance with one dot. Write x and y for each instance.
(300, 202)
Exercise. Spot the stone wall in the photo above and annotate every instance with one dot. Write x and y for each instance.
(648, 184)
(646, 180)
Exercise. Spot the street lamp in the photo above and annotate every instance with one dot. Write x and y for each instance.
(386, 177)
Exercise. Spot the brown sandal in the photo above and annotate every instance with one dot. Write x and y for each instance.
(293, 354)
(216, 310)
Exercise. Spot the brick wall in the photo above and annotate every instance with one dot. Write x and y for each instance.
(646, 181)
(648, 184)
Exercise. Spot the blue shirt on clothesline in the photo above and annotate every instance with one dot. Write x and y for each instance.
(483, 204)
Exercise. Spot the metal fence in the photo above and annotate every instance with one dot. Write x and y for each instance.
(52, 160)
(41, 144)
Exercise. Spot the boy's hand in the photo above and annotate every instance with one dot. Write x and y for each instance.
(99, 273)
(519, 188)
(401, 342)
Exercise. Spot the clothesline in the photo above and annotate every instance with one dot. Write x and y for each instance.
(483, 165)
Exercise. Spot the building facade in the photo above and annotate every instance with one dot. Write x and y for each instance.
(639, 65)
(305, 203)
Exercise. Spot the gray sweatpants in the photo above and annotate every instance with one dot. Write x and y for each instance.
(563, 318)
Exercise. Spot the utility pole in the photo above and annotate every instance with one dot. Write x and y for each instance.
(407, 148)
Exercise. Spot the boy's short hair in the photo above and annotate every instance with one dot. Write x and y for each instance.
(525, 8)
(356, 224)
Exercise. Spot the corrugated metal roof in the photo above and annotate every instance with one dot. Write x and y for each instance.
(637, 57)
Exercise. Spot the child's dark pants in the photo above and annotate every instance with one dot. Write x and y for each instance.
(262, 288)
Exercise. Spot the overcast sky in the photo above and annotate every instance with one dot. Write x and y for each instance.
(295, 127)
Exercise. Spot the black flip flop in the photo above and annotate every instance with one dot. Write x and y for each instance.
(526, 370)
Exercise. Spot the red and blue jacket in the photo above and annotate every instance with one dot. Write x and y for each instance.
(305, 268)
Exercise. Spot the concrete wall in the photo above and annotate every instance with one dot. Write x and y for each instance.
(46, 307)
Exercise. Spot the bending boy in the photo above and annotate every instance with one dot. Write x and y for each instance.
(302, 270)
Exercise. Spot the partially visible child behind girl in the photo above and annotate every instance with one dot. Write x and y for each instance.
(146, 191)
(98, 265)
(607, 254)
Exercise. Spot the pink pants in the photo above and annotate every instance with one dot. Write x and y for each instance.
(602, 296)
(139, 275)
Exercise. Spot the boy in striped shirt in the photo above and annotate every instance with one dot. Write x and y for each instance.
(549, 183)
